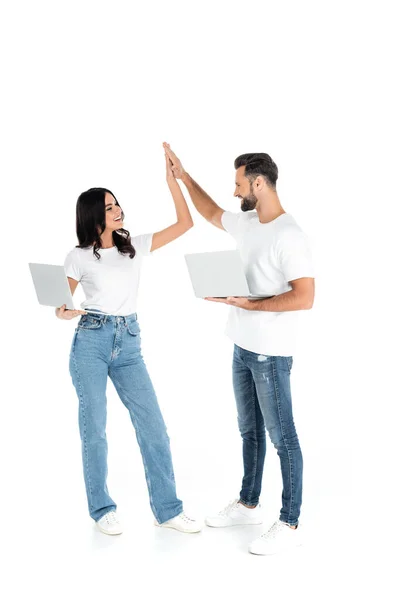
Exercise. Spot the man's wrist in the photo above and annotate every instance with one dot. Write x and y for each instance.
(253, 305)
(260, 304)
(186, 179)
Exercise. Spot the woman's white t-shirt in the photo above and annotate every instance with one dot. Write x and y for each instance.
(111, 282)
(273, 254)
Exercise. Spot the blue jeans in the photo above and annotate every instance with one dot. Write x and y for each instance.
(263, 398)
(105, 345)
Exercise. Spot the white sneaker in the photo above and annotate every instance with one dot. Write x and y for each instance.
(278, 538)
(109, 524)
(236, 514)
(182, 523)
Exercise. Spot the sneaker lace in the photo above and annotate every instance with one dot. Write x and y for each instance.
(225, 511)
(185, 518)
(111, 518)
(273, 530)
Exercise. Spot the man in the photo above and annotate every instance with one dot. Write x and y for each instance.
(277, 263)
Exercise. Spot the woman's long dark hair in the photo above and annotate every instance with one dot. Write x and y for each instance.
(91, 222)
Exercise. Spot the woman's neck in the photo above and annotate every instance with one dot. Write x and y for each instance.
(107, 240)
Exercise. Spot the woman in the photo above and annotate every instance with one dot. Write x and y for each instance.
(107, 343)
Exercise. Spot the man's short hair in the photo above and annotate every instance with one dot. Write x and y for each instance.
(258, 164)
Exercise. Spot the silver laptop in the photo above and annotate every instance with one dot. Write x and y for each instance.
(51, 285)
(218, 275)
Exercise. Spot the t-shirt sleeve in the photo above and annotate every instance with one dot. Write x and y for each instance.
(142, 243)
(72, 266)
(232, 222)
(294, 254)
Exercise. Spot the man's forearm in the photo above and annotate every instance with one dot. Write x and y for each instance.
(201, 200)
(288, 301)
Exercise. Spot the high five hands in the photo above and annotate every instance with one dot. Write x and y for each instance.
(176, 165)
(169, 172)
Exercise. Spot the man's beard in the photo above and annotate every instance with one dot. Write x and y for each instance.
(248, 202)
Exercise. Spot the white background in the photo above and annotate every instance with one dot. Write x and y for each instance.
(90, 92)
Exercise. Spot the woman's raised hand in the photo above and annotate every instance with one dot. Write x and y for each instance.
(168, 165)
(176, 165)
(66, 314)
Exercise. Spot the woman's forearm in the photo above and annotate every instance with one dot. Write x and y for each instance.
(182, 210)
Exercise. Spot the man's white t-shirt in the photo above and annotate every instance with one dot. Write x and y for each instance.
(273, 254)
(110, 283)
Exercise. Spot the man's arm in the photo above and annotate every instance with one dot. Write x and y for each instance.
(300, 297)
(201, 200)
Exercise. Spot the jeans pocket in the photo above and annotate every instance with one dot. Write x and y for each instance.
(89, 322)
(133, 328)
(289, 360)
(74, 341)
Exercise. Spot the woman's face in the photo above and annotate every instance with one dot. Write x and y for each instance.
(113, 213)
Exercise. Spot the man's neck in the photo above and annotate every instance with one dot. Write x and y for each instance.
(269, 208)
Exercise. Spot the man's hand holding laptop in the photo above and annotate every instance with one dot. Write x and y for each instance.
(238, 301)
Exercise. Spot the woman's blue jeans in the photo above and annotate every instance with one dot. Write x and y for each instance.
(105, 345)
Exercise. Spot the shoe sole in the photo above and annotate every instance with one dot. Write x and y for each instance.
(108, 532)
(162, 526)
(277, 551)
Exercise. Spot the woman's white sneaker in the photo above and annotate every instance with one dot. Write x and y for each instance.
(279, 537)
(110, 524)
(182, 523)
(236, 514)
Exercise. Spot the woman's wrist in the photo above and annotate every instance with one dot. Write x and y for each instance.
(172, 182)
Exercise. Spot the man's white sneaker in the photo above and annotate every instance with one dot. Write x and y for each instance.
(109, 524)
(182, 523)
(278, 538)
(236, 514)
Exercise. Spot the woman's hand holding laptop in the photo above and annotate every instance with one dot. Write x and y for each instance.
(67, 315)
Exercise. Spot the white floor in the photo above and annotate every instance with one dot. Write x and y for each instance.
(56, 551)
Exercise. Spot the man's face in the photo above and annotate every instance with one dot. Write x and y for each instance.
(244, 191)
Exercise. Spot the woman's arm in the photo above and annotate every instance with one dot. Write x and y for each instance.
(201, 200)
(184, 218)
(63, 312)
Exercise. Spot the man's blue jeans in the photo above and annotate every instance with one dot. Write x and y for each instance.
(263, 398)
(105, 345)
